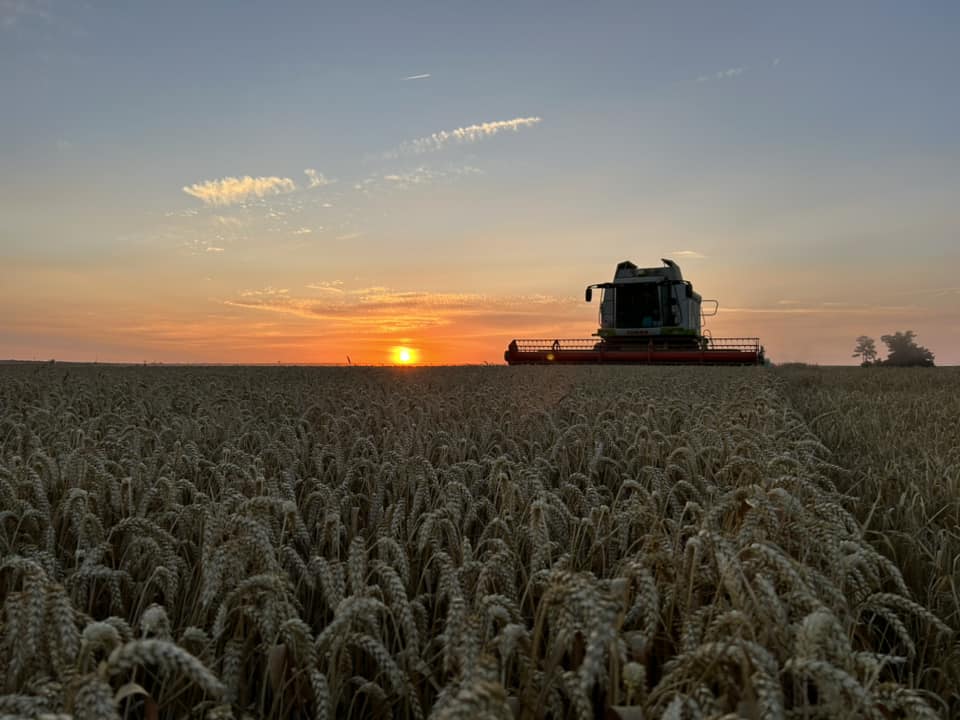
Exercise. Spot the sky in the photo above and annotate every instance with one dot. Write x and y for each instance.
(303, 182)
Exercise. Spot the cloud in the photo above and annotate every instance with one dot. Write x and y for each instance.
(349, 236)
(327, 286)
(404, 179)
(460, 136)
(316, 179)
(232, 190)
(937, 292)
(793, 307)
(422, 175)
(689, 254)
(382, 309)
(302, 231)
(723, 74)
(266, 292)
(189, 212)
(228, 222)
(417, 77)
(194, 243)
(414, 177)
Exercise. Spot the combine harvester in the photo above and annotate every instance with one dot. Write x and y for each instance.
(648, 316)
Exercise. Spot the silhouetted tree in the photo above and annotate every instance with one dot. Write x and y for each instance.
(867, 349)
(903, 351)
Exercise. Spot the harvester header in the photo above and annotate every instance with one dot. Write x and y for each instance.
(648, 316)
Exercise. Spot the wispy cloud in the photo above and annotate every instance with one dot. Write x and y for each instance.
(365, 183)
(689, 254)
(188, 213)
(228, 222)
(194, 232)
(316, 179)
(327, 286)
(424, 76)
(383, 309)
(406, 179)
(412, 177)
(793, 307)
(460, 136)
(723, 74)
(302, 231)
(936, 292)
(197, 244)
(422, 175)
(232, 190)
(267, 292)
(349, 236)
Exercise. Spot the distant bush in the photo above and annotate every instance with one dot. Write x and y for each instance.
(904, 352)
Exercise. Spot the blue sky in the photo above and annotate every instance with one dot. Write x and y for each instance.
(801, 161)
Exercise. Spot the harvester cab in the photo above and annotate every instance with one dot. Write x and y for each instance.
(648, 316)
(648, 303)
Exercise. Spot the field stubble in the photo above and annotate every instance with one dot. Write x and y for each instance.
(453, 542)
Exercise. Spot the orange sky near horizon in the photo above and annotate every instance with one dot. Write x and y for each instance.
(79, 320)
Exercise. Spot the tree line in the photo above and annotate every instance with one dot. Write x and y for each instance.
(902, 351)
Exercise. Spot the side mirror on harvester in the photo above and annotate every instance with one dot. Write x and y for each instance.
(588, 295)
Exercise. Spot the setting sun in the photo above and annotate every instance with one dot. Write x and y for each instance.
(404, 355)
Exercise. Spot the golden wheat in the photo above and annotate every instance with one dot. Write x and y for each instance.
(506, 542)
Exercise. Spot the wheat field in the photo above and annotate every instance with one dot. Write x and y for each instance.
(562, 542)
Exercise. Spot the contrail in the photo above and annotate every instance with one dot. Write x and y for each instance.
(417, 77)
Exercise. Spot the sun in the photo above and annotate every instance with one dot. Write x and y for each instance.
(404, 355)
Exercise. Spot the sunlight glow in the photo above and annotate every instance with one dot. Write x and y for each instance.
(403, 355)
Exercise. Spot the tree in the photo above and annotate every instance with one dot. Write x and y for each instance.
(904, 352)
(867, 349)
